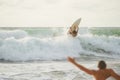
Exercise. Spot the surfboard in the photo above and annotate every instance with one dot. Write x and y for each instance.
(75, 24)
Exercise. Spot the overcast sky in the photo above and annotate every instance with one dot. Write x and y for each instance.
(59, 13)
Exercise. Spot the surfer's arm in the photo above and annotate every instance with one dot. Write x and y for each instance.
(115, 75)
(72, 60)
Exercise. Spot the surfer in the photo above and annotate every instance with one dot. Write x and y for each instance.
(73, 32)
(102, 74)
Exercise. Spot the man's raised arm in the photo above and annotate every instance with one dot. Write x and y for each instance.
(72, 60)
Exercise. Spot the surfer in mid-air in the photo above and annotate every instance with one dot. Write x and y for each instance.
(73, 30)
(102, 74)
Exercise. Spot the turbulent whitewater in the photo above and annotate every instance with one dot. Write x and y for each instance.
(29, 44)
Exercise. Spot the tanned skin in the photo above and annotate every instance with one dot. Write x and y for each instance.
(100, 74)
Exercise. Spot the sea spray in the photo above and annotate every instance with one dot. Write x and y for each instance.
(24, 45)
(13, 33)
(32, 48)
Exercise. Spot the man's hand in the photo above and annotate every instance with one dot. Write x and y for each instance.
(70, 59)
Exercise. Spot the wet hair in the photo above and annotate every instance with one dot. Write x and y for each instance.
(102, 64)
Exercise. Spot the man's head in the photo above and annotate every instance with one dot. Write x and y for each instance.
(102, 65)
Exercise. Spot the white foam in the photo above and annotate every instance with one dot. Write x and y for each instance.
(109, 45)
(13, 33)
(18, 46)
(31, 48)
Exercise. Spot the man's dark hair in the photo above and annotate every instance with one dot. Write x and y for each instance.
(102, 64)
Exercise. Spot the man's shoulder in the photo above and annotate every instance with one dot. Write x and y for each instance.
(109, 69)
(104, 70)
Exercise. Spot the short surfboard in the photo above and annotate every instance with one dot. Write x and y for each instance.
(75, 24)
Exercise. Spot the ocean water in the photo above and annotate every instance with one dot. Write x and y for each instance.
(28, 44)
(40, 53)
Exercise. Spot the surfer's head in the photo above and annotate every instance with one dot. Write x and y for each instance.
(102, 64)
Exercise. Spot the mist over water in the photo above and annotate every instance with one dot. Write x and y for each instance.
(27, 44)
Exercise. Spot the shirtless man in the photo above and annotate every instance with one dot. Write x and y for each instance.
(74, 32)
(102, 74)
